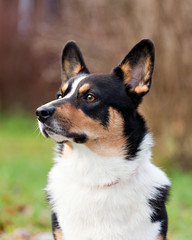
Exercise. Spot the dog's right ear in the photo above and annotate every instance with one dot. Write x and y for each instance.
(72, 61)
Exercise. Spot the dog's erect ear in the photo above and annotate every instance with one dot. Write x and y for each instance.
(72, 61)
(137, 67)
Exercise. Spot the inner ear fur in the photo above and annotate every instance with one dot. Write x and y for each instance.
(137, 67)
(72, 61)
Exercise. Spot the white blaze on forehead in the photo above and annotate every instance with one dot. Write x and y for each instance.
(74, 86)
(69, 94)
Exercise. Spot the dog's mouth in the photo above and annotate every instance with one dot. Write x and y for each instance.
(60, 135)
(55, 135)
(45, 133)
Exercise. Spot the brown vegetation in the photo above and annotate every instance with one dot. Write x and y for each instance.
(31, 42)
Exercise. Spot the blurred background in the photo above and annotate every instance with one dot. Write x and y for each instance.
(32, 36)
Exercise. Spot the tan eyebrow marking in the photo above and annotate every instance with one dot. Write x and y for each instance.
(84, 88)
(64, 88)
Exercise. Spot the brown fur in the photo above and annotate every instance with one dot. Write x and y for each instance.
(160, 237)
(62, 119)
(70, 71)
(110, 138)
(77, 69)
(68, 149)
(141, 89)
(147, 68)
(101, 138)
(58, 234)
(127, 70)
(84, 88)
(64, 88)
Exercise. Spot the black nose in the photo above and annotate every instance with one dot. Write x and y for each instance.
(44, 113)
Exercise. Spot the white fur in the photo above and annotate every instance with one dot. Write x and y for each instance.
(74, 86)
(69, 94)
(87, 210)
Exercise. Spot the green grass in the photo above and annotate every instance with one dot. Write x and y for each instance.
(180, 205)
(25, 159)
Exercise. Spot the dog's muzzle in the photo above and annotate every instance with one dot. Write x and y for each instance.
(44, 113)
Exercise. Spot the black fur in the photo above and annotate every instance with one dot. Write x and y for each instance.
(157, 203)
(73, 55)
(59, 148)
(54, 223)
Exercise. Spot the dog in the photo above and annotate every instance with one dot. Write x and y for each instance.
(103, 185)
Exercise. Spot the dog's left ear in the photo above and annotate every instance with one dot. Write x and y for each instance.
(137, 67)
(72, 61)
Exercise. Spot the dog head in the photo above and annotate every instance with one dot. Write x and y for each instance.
(100, 110)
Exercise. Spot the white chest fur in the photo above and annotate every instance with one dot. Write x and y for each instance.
(87, 210)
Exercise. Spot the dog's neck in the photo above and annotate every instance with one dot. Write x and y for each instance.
(94, 170)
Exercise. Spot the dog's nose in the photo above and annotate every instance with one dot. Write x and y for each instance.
(44, 113)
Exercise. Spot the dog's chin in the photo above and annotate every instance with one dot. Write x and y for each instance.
(49, 133)
(56, 137)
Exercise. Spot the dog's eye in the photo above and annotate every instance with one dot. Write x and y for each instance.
(90, 98)
(59, 96)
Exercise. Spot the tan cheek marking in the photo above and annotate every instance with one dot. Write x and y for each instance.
(64, 88)
(100, 138)
(69, 113)
(71, 119)
(62, 118)
(110, 139)
(84, 88)
(68, 149)
(58, 234)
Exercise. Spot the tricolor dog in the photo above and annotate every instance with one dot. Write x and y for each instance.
(103, 185)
